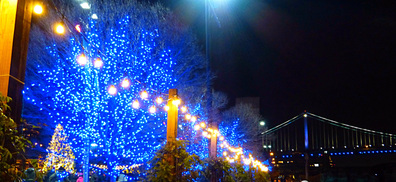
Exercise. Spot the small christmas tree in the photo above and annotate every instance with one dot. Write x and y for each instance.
(60, 153)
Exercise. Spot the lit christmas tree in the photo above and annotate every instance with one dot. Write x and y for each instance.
(60, 153)
(91, 81)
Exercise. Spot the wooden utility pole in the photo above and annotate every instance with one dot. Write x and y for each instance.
(15, 19)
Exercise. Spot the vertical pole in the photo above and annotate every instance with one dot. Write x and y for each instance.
(306, 144)
(306, 131)
(86, 159)
(171, 126)
(15, 19)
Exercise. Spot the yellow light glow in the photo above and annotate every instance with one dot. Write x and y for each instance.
(78, 28)
(197, 127)
(247, 162)
(225, 153)
(59, 29)
(222, 145)
(144, 95)
(135, 104)
(188, 116)
(271, 154)
(265, 169)
(82, 60)
(184, 109)
(112, 90)
(203, 125)
(176, 102)
(38, 9)
(193, 118)
(205, 133)
(166, 108)
(153, 109)
(221, 138)
(98, 63)
(125, 83)
(159, 100)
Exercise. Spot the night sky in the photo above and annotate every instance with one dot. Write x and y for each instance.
(335, 59)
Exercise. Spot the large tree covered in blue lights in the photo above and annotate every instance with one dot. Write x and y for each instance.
(139, 43)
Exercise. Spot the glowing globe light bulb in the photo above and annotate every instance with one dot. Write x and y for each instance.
(188, 116)
(135, 104)
(193, 118)
(222, 145)
(203, 125)
(112, 90)
(176, 102)
(225, 153)
(38, 9)
(166, 108)
(209, 136)
(78, 28)
(205, 133)
(197, 127)
(247, 162)
(152, 109)
(264, 169)
(98, 63)
(184, 109)
(159, 100)
(144, 95)
(59, 29)
(125, 83)
(221, 138)
(82, 60)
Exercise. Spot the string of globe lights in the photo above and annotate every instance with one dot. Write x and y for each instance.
(230, 153)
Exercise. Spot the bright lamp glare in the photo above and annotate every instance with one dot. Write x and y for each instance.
(152, 109)
(85, 5)
(197, 127)
(159, 100)
(176, 102)
(203, 125)
(125, 83)
(193, 118)
(135, 104)
(144, 95)
(112, 90)
(98, 63)
(166, 108)
(188, 116)
(60, 29)
(82, 60)
(94, 16)
(184, 109)
(38, 9)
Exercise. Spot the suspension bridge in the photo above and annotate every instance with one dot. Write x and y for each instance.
(308, 144)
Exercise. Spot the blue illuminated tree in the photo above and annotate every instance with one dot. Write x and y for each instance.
(139, 43)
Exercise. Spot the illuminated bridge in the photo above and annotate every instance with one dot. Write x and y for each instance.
(309, 145)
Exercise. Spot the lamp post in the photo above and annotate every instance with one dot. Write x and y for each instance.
(262, 124)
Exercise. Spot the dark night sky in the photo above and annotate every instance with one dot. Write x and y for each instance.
(335, 59)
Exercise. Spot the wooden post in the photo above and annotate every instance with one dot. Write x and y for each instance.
(171, 126)
(15, 18)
